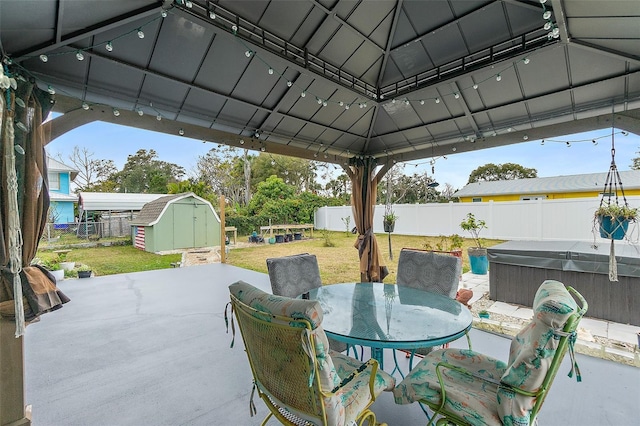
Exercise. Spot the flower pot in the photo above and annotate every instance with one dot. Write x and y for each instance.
(67, 266)
(58, 274)
(84, 274)
(478, 260)
(388, 226)
(613, 228)
(279, 238)
(288, 237)
(272, 240)
(483, 314)
(297, 236)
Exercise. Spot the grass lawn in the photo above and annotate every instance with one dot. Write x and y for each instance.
(115, 259)
(339, 263)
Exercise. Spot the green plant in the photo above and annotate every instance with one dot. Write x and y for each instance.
(346, 220)
(474, 227)
(389, 215)
(615, 211)
(327, 237)
(83, 267)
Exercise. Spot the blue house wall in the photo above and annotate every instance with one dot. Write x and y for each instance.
(63, 209)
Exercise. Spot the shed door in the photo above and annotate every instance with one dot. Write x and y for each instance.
(190, 226)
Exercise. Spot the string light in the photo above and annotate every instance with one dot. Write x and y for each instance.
(475, 86)
(289, 84)
(526, 61)
(248, 53)
(116, 112)
(498, 77)
(212, 15)
(140, 33)
(140, 112)
(158, 117)
(270, 71)
(85, 106)
(163, 13)
(44, 58)
(109, 46)
(437, 100)
(181, 132)
(303, 94)
(79, 55)
(456, 95)
(51, 90)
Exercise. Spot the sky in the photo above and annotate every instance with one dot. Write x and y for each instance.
(113, 142)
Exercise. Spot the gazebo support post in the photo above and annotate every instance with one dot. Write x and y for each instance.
(364, 184)
(12, 399)
(223, 233)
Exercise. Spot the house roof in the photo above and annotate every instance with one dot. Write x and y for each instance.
(556, 184)
(153, 210)
(57, 167)
(401, 79)
(58, 196)
(107, 201)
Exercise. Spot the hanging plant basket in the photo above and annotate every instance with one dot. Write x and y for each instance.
(613, 228)
(389, 225)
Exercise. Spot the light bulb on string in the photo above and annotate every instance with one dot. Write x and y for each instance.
(456, 95)
(568, 144)
(543, 1)
(270, 71)
(341, 103)
(109, 47)
(437, 100)
(263, 149)
(319, 101)
(542, 142)
(595, 142)
(475, 86)
(79, 55)
(248, 53)
(289, 84)
(158, 117)
(140, 112)
(498, 77)
(140, 33)
(212, 15)
(188, 4)
(241, 141)
(526, 61)
(51, 90)
(44, 58)
(422, 102)
(164, 13)
(525, 137)
(234, 28)
(303, 94)
(116, 112)
(346, 106)
(324, 103)
(546, 15)
(547, 26)
(364, 105)
(181, 132)
(85, 106)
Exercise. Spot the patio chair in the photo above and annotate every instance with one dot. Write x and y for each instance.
(469, 388)
(294, 275)
(299, 379)
(426, 270)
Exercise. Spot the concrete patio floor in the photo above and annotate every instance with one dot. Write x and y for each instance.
(151, 348)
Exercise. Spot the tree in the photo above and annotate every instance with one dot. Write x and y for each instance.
(636, 162)
(199, 188)
(92, 173)
(144, 173)
(298, 172)
(506, 171)
(224, 172)
(417, 188)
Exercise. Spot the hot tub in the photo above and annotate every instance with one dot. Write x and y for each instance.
(517, 268)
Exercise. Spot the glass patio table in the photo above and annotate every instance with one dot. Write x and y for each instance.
(383, 316)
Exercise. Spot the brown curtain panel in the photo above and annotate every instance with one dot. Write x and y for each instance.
(363, 199)
(23, 134)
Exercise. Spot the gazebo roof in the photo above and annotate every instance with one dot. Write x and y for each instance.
(420, 78)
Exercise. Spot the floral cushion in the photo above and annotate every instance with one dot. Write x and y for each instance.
(533, 349)
(468, 396)
(345, 406)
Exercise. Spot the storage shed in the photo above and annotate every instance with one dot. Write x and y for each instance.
(176, 222)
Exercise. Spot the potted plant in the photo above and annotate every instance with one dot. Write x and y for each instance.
(477, 254)
(84, 271)
(613, 220)
(389, 219)
(53, 266)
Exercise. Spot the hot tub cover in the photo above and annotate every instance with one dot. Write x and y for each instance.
(577, 256)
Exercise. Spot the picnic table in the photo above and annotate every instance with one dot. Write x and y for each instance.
(234, 230)
(288, 229)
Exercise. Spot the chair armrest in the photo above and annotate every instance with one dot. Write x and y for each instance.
(460, 370)
(370, 366)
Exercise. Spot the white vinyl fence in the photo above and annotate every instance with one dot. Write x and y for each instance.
(561, 220)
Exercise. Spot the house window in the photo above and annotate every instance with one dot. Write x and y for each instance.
(54, 181)
(533, 197)
(476, 200)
